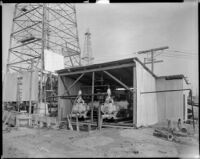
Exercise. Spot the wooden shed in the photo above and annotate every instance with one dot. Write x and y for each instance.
(151, 98)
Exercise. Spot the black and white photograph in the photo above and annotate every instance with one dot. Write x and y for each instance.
(100, 80)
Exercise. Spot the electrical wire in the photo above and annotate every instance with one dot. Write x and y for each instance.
(185, 58)
(183, 52)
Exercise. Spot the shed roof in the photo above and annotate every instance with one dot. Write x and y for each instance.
(105, 64)
(78, 69)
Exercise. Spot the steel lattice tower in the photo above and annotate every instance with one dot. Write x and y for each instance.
(38, 26)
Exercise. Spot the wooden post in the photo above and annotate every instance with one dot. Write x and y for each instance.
(134, 96)
(77, 124)
(69, 123)
(99, 117)
(92, 108)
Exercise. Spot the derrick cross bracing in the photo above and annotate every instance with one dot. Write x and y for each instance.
(40, 26)
(118, 74)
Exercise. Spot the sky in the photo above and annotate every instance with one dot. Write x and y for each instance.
(120, 30)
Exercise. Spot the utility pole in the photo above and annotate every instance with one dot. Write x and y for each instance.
(152, 60)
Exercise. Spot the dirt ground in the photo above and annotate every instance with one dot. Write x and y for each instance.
(109, 142)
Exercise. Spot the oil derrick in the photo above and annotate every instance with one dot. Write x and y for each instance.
(87, 58)
(40, 26)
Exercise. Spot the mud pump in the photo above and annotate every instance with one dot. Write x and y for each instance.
(80, 108)
(108, 108)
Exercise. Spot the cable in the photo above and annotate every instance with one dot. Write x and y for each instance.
(184, 55)
(183, 52)
(179, 57)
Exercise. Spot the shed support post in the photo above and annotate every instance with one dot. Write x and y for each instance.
(134, 97)
(99, 117)
(92, 109)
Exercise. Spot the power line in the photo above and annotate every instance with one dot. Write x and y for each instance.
(152, 53)
(168, 56)
(186, 56)
(183, 52)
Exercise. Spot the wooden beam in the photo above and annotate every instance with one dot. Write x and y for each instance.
(98, 69)
(117, 80)
(134, 97)
(154, 62)
(76, 81)
(150, 50)
(92, 110)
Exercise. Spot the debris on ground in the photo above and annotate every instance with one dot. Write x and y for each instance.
(173, 131)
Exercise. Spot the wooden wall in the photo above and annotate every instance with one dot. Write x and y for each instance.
(146, 103)
(65, 105)
(170, 104)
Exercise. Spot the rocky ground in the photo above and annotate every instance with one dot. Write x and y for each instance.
(109, 142)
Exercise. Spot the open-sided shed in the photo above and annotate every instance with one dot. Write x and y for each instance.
(151, 98)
